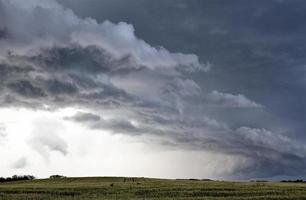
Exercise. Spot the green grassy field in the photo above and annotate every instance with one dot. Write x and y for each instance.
(142, 188)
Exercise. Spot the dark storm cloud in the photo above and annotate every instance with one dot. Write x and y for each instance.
(51, 79)
(26, 89)
(134, 88)
(89, 59)
(256, 49)
(56, 87)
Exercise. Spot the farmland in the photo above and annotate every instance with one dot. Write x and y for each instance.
(144, 188)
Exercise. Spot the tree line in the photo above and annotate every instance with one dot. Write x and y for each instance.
(294, 181)
(17, 178)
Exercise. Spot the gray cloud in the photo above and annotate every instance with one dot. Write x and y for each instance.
(53, 143)
(26, 89)
(20, 163)
(84, 117)
(74, 59)
(56, 25)
(116, 125)
(46, 139)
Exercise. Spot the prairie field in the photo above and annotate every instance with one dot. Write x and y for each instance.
(147, 189)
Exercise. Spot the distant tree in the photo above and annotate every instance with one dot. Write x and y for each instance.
(57, 176)
(15, 177)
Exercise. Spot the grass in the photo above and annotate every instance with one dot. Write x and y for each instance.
(110, 188)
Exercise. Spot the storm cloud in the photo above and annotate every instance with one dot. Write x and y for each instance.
(191, 97)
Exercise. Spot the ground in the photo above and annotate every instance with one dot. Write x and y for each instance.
(147, 189)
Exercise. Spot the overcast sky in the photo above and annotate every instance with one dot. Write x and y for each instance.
(172, 89)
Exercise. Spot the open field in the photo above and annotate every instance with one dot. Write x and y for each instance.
(143, 188)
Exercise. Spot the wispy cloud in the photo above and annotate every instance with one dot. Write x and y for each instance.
(231, 100)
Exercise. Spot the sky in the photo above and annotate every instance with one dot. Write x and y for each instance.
(152, 88)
